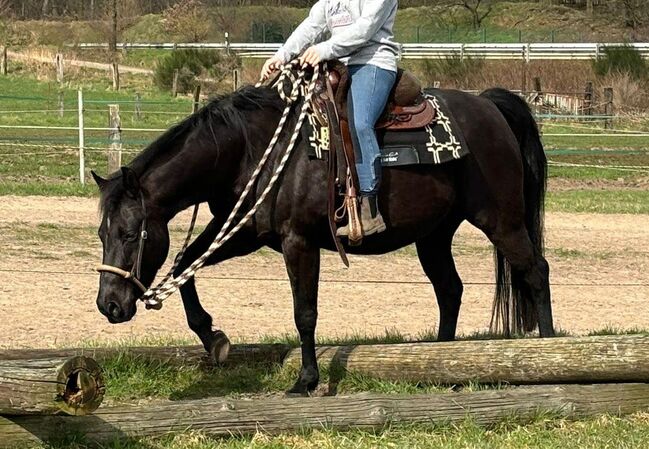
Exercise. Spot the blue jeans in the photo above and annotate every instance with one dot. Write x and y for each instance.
(368, 96)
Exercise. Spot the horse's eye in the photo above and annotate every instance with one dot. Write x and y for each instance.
(131, 236)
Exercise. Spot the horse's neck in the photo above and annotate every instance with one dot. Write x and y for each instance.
(179, 182)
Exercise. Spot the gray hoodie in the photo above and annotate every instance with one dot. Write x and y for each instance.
(359, 31)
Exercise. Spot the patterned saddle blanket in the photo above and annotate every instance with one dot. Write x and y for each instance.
(438, 142)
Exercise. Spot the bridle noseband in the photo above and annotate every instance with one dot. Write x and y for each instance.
(134, 274)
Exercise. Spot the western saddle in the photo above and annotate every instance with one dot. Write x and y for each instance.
(407, 109)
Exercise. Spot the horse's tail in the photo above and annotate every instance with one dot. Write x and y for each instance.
(513, 310)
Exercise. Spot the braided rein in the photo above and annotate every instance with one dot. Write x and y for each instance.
(300, 86)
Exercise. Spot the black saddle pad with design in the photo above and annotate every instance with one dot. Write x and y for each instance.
(441, 141)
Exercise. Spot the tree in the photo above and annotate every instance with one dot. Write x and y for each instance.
(636, 13)
(188, 19)
(479, 10)
(5, 8)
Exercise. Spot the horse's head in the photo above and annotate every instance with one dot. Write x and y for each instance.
(135, 243)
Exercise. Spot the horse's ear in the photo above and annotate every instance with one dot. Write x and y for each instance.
(131, 183)
(101, 182)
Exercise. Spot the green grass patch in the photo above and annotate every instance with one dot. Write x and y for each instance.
(599, 201)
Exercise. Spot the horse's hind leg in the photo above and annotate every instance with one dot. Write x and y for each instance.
(436, 259)
(530, 271)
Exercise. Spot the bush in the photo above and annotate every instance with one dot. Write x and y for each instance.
(621, 60)
(192, 64)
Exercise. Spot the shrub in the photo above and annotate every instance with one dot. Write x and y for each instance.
(621, 60)
(192, 64)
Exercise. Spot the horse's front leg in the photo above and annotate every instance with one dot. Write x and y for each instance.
(303, 267)
(215, 341)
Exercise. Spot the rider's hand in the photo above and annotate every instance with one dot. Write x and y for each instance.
(271, 65)
(311, 57)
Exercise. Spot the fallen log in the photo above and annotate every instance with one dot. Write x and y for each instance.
(524, 361)
(239, 354)
(50, 385)
(226, 417)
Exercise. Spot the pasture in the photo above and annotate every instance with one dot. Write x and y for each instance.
(597, 240)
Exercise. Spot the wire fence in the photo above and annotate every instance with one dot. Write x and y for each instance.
(60, 139)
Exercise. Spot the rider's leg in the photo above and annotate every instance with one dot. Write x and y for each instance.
(368, 96)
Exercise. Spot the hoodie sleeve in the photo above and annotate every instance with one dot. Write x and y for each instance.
(373, 17)
(311, 31)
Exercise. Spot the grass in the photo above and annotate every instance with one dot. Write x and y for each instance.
(599, 201)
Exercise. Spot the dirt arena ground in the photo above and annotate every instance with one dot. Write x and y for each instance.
(48, 247)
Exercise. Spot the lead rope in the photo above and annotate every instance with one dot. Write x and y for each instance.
(154, 297)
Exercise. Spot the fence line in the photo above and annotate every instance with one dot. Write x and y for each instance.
(527, 52)
(79, 146)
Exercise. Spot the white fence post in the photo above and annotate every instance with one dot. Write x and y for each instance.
(82, 160)
(59, 67)
(115, 136)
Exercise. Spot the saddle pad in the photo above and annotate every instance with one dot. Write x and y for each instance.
(439, 142)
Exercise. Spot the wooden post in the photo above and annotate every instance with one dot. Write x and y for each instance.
(538, 90)
(138, 106)
(59, 67)
(609, 108)
(588, 99)
(538, 100)
(82, 160)
(526, 60)
(47, 386)
(589, 7)
(115, 137)
(229, 416)
(3, 60)
(61, 103)
(114, 70)
(235, 79)
(174, 84)
(197, 98)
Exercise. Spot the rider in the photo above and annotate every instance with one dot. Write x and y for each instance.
(360, 35)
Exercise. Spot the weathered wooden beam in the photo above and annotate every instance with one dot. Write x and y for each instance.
(226, 417)
(50, 385)
(522, 361)
(239, 354)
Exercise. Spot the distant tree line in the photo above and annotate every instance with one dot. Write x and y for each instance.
(634, 13)
(93, 9)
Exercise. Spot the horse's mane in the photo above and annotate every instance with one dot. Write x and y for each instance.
(229, 109)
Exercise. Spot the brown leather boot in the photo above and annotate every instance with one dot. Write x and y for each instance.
(371, 219)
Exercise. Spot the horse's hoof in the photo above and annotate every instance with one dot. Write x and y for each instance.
(220, 347)
(302, 389)
(298, 391)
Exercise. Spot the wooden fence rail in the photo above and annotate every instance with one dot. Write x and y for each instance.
(521, 361)
(226, 417)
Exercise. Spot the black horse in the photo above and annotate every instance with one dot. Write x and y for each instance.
(209, 157)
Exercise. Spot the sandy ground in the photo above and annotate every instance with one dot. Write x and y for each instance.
(48, 247)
